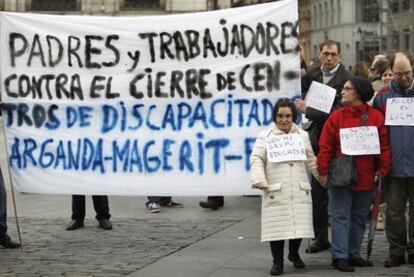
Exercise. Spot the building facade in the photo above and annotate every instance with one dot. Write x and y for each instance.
(121, 7)
(400, 25)
(357, 24)
(305, 28)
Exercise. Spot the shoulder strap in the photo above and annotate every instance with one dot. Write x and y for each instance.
(364, 117)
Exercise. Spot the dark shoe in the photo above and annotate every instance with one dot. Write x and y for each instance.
(172, 204)
(210, 205)
(411, 259)
(277, 269)
(6, 242)
(74, 224)
(394, 261)
(297, 261)
(360, 262)
(105, 224)
(343, 265)
(318, 246)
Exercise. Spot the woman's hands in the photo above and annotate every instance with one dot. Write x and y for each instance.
(323, 180)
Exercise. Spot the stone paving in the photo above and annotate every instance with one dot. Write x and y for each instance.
(49, 250)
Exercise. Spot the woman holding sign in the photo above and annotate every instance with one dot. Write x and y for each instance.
(355, 130)
(279, 162)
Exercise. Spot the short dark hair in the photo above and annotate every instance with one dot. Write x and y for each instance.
(381, 65)
(363, 88)
(330, 42)
(284, 102)
(391, 58)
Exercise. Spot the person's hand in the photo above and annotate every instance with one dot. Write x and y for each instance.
(300, 106)
(323, 180)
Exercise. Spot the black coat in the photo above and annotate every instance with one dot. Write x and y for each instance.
(317, 117)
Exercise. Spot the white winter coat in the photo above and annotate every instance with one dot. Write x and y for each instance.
(286, 200)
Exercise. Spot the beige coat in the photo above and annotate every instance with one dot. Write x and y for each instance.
(286, 200)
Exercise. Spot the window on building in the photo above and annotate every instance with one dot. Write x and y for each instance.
(237, 3)
(326, 14)
(395, 6)
(320, 15)
(406, 5)
(407, 39)
(1, 5)
(314, 17)
(367, 50)
(338, 8)
(332, 13)
(371, 11)
(395, 41)
(53, 5)
(140, 4)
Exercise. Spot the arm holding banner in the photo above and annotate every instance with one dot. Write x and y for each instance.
(258, 163)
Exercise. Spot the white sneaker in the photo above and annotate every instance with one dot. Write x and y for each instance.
(153, 207)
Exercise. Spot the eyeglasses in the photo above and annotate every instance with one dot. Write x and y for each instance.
(348, 88)
(399, 75)
(332, 54)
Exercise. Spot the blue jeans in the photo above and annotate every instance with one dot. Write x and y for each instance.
(348, 212)
(3, 206)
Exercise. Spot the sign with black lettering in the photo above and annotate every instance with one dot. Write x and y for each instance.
(320, 97)
(161, 105)
(400, 111)
(283, 148)
(363, 140)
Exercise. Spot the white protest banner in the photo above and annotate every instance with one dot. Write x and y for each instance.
(159, 105)
(400, 111)
(320, 97)
(363, 140)
(283, 148)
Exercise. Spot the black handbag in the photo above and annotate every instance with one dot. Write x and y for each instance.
(342, 170)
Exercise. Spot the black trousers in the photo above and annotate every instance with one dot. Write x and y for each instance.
(277, 247)
(219, 200)
(100, 204)
(320, 210)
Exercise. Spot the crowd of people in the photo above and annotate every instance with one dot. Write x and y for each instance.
(296, 204)
(361, 99)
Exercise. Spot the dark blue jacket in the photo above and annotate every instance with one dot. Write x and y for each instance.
(401, 137)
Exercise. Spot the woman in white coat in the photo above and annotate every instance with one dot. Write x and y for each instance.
(281, 157)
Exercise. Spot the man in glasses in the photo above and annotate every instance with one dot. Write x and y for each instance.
(334, 74)
(400, 182)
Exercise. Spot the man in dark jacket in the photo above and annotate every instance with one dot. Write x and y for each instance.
(331, 73)
(400, 182)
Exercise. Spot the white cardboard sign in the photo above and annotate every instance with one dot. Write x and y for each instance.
(283, 148)
(400, 111)
(363, 140)
(320, 97)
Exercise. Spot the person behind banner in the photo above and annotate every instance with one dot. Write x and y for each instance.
(5, 239)
(330, 72)
(349, 206)
(279, 162)
(101, 206)
(400, 183)
(155, 203)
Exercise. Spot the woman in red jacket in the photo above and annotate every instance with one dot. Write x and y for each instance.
(349, 206)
